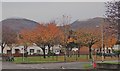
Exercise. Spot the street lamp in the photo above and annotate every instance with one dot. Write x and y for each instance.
(102, 37)
(102, 34)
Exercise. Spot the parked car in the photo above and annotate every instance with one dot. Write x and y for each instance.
(8, 58)
(107, 54)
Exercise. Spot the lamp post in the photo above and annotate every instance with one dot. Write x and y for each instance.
(102, 34)
(102, 39)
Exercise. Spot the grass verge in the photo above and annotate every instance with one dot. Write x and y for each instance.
(51, 59)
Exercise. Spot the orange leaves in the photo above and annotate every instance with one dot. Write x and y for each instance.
(110, 41)
(25, 36)
(88, 37)
(71, 40)
(43, 34)
(94, 35)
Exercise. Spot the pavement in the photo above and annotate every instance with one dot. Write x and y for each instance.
(0, 63)
(70, 65)
(0, 58)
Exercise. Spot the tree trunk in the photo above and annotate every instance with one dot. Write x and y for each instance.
(2, 49)
(48, 50)
(67, 52)
(2, 46)
(90, 52)
(44, 52)
(78, 51)
(25, 51)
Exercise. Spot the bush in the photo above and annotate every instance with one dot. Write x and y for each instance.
(117, 51)
(52, 53)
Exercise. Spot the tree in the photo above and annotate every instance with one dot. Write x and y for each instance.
(88, 38)
(43, 35)
(9, 37)
(37, 36)
(113, 16)
(25, 38)
(110, 41)
(65, 27)
(54, 35)
(48, 35)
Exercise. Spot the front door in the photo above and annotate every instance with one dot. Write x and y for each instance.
(8, 51)
(17, 51)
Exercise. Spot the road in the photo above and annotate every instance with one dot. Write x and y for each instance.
(71, 65)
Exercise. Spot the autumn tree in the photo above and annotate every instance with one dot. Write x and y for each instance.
(110, 41)
(25, 38)
(54, 34)
(9, 37)
(71, 42)
(37, 36)
(43, 35)
(88, 38)
(48, 35)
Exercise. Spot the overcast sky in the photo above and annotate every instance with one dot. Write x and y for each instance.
(47, 11)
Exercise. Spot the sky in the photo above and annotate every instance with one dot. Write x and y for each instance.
(55, 0)
(47, 11)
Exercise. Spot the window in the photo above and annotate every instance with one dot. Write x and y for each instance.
(8, 51)
(31, 50)
(38, 51)
(17, 51)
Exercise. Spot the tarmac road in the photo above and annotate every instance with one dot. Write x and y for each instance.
(70, 65)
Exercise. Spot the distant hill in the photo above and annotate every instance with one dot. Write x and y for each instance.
(17, 24)
(90, 23)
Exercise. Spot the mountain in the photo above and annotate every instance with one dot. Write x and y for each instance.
(89, 24)
(12, 26)
(17, 24)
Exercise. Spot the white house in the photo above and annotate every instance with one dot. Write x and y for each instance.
(20, 49)
(74, 49)
(33, 49)
(56, 49)
(106, 50)
(116, 47)
(6, 50)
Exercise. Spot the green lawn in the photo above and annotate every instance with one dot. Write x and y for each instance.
(87, 66)
(40, 59)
